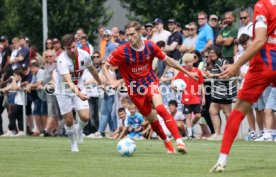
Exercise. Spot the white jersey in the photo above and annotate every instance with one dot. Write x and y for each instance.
(65, 65)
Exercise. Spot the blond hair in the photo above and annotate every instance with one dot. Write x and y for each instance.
(188, 57)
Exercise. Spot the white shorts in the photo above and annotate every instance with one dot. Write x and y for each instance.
(68, 102)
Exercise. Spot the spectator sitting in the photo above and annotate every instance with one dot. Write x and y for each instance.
(134, 123)
(178, 116)
(122, 129)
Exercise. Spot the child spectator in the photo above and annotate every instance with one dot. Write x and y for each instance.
(178, 116)
(191, 97)
(122, 129)
(134, 123)
(125, 101)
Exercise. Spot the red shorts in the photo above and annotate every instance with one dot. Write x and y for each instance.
(255, 83)
(143, 100)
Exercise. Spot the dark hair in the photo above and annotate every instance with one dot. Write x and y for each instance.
(217, 51)
(244, 38)
(199, 56)
(22, 37)
(121, 110)
(17, 71)
(67, 39)
(84, 37)
(161, 44)
(134, 24)
(173, 102)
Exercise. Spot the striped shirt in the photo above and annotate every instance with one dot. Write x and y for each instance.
(223, 90)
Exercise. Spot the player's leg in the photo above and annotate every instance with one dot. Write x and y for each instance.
(156, 127)
(254, 85)
(169, 121)
(65, 105)
(83, 110)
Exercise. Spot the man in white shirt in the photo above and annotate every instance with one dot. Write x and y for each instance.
(161, 34)
(247, 27)
(70, 89)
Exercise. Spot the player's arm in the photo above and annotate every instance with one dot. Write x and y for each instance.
(95, 74)
(73, 87)
(174, 64)
(105, 70)
(256, 45)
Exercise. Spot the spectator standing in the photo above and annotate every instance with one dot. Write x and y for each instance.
(227, 36)
(213, 22)
(189, 41)
(161, 34)
(149, 31)
(174, 41)
(205, 37)
(110, 45)
(102, 41)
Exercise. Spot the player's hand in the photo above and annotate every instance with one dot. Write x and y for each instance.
(193, 75)
(229, 71)
(82, 96)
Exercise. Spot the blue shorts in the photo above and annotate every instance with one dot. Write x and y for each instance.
(11, 97)
(260, 104)
(271, 100)
(134, 135)
(40, 107)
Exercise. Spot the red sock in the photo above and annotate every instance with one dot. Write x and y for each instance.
(169, 121)
(231, 130)
(156, 127)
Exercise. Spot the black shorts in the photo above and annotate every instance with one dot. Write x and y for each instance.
(192, 108)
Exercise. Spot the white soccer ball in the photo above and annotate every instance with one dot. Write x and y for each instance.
(179, 84)
(126, 147)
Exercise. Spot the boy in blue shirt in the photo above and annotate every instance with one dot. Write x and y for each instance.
(134, 123)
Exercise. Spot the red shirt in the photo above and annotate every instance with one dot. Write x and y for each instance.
(136, 66)
(191, 95)
(265, 59)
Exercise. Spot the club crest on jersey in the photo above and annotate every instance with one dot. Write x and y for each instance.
(147, 57)
(82, 63)
(261, 18)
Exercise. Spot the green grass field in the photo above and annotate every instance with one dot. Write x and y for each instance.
(51, 157)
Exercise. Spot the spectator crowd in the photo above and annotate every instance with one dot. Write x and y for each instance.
(204, 47)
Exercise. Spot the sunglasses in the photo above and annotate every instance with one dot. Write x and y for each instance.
(243, 18)
(191, 29)
(106, 35)
(96, 56)
(201, 18)
(206, 56)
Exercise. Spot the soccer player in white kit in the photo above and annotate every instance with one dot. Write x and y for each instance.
(70, 90)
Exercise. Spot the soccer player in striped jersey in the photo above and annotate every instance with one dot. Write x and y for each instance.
(134, 60)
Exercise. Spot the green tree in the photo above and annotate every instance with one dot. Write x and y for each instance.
(183, 11)
(24, 17)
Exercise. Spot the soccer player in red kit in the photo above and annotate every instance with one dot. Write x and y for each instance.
(262, 72)
(134, 60)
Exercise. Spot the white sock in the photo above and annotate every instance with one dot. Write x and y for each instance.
(82, 124)
(69, 130)
(223, 158)
(273, 132)
(190, 133)
(179, 141)
(167, 139)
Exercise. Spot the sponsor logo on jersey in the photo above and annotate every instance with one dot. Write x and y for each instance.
(147, 57)
(82, 63)
(109, 57)
(138, 69)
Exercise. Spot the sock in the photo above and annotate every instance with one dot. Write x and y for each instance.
(222, 158)
(82, 124)
(190, 133)
(169, 121)
(273, 132)
(69, 130)
(179, 141)
(231, 130)
(156, 127)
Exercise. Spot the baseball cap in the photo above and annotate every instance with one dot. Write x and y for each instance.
(56, 40)
(213, 16)
(158, 20)
(3, 38)
(171, 20)
(107, 32)
(148, 25)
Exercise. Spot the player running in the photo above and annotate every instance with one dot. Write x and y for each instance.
(262, 72)
(134, 60)
(70, 90)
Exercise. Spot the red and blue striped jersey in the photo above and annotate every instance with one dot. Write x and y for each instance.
(265, 14)
(136, 66)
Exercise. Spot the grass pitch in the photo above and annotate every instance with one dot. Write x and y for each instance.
(51, 157)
